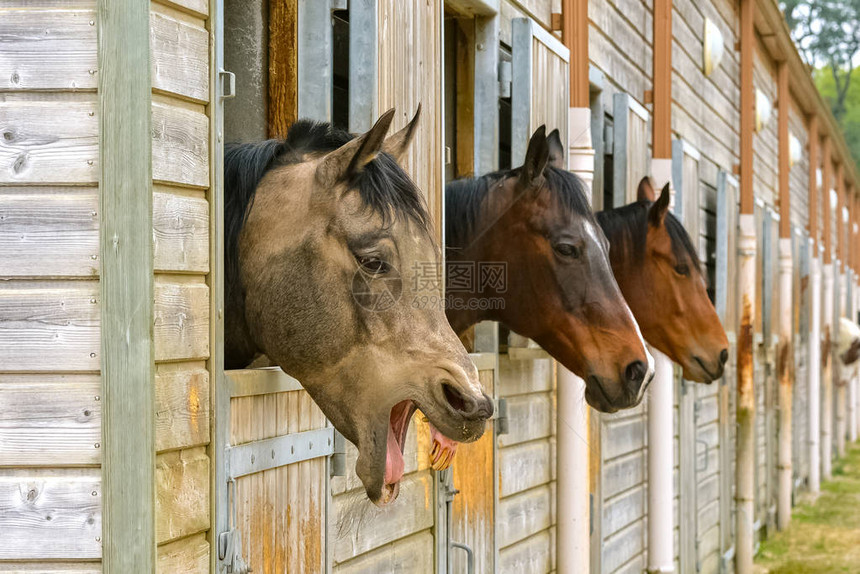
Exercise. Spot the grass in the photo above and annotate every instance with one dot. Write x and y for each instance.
(824, 536)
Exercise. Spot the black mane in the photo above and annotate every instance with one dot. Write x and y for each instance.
(626, 228)
(383, 185)
(464, 197)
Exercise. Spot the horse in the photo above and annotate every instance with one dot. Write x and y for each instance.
(322, 233)
(535, 222)
(660, 274)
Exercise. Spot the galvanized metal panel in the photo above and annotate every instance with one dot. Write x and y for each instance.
(315, 59)
(363, 61)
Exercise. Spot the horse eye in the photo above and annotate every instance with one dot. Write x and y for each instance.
(682, 269)
(373, 265)
(568, 250)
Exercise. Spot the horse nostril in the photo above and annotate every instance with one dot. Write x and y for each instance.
(454, 398)
(472, 409)
(635, 373)
(724, 356)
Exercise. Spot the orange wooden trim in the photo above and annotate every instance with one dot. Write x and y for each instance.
(574, 34)
(784, 102)
(662, 97)
(283, 104)
(840, 225)
(812, 225)
(851, 253)
(826, 167)
(747, 104)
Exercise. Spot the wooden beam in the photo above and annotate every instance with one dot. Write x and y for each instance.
(127, 290)
(574, 34)
(840, 224)
(662, 120)
(826, 167)
(748, 47)
(812, 225)
(784, 103)
(851, 253)
(283, 66)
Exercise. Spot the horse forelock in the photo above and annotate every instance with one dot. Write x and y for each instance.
(464, 199)
(626, 228)
(383, 185)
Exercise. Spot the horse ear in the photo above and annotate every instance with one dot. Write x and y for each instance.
(556, 149)
(350, 158)
(537, 156)
(397, 144)
(645, 191)
(657, 211)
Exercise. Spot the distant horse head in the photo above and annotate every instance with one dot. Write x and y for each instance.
(558, 288)
(660, 274)
(323, 232)
(848, 342)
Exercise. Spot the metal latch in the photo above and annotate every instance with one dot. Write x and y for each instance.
(505, 74)
(227, 84)
(501, 417)
(230, 542)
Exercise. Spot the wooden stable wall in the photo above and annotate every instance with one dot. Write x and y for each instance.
(50, 348)
(525, 525)
(180, 72)
(50, 404)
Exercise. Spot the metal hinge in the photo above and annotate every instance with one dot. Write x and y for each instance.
(501, 417)
(591, 513)
(337, 467)
(227, 82)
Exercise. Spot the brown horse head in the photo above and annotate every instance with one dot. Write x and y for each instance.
(324, 231)
(660, 274)
(535, 225)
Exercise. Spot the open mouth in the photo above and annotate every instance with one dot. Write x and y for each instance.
(398, 424)
(442, 449)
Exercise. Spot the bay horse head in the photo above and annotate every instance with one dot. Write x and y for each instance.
(535, 221)
(323, 231)
(660, 274)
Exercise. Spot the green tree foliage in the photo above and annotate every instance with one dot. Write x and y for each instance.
(850, 117)
(827, 33)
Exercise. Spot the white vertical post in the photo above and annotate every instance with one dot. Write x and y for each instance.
(851, 375)
(785, 355)
(573, 508)
(814, 373)
(746, 405)
(841, 373)
(827, 377)
(661, 445)
(573, 518)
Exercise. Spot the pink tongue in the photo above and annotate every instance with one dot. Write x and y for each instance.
(442, 449)
(393, 460)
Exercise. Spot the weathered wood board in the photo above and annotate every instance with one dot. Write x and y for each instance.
(51, 514)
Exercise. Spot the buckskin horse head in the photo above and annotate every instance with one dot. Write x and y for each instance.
(323, 230)
(659, 272)
(559, 290)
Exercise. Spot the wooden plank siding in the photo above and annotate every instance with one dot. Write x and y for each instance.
(525, 524)
(180, 71)
(50, 349)
(409, 73)
(280, 512)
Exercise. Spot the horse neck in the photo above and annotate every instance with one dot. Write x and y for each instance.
(239, 346)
